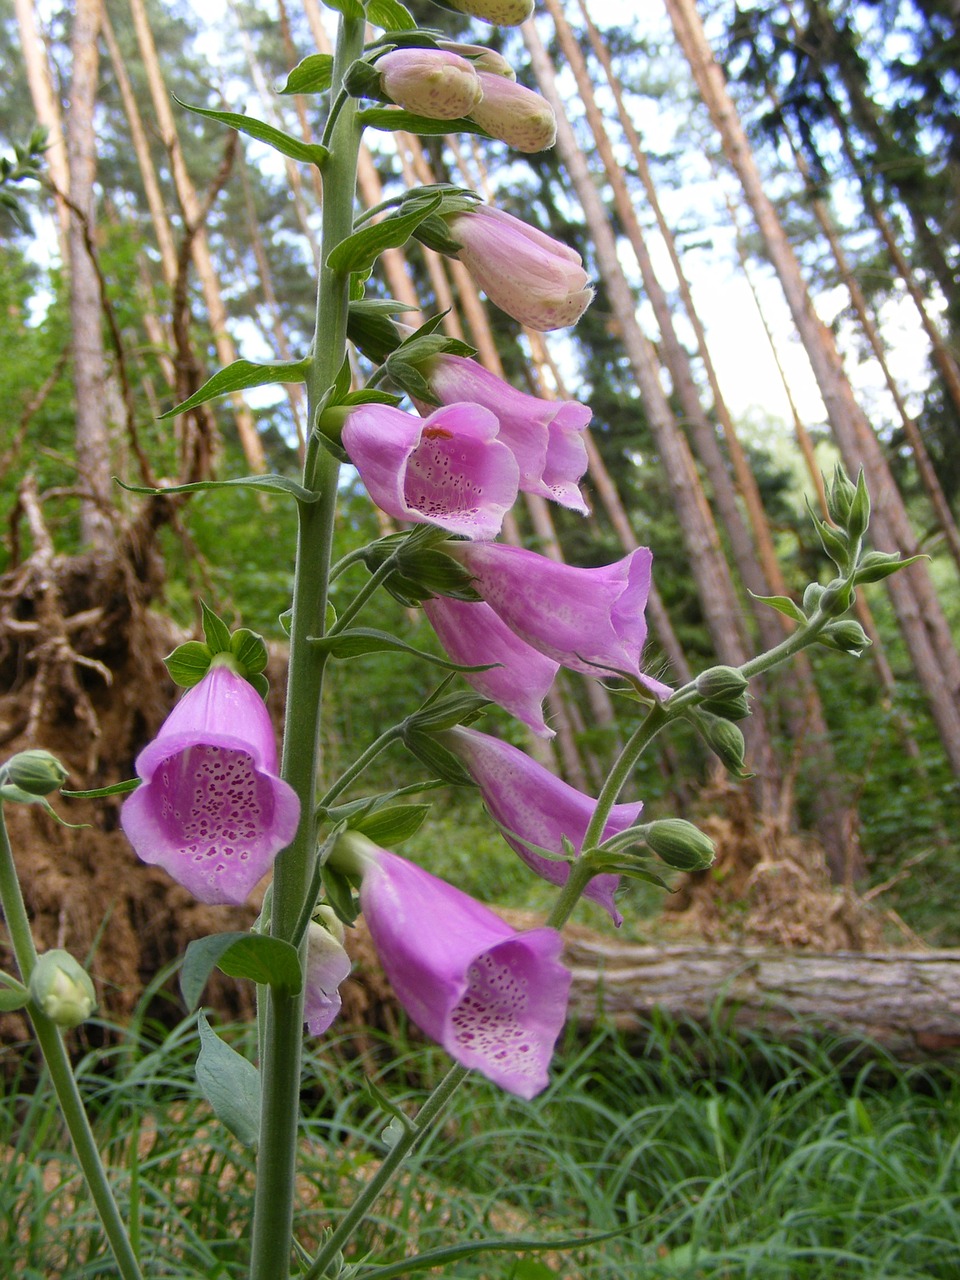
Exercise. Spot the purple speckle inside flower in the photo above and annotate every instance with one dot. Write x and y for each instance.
(214, 805)
(441, 477)
(489, 1020)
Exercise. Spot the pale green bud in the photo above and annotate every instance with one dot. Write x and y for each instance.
(721, 683)
(680, 844)
(36, 772)
(726, 742)
(62, 989)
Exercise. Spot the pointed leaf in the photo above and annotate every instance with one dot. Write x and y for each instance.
(349, 8)
(313, 75)
(239, 376)
(782, 604)
(118, 789)
(230, 1084)
(392, 825)
(361, 250)
(391, 15)
(359, 641)
(217, 632)
(262, 959)
(392, 119)
(294, 148)
(278, 484)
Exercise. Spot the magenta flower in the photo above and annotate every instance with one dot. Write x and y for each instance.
(532, 277)
(545, 436)
(472, 635)
(531, 803)
(211, 809)
(517, 116)
(448, 469)
(327, 966)
(495, 999)
(589, 620)
(434, 83)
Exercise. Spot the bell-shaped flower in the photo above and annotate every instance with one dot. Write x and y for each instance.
(448, 469)
(473, 635)
(434, 83)
(499, 13)
(545, 436)
(494, 998)
(211, 809)
(588, 620)
(529, 275)
(535, 807)
(327, 966)
(517, 116)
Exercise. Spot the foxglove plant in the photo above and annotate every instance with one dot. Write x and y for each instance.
(211, 805)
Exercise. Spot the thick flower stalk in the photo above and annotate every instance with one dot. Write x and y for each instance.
(535, 807)
(545, 436)
(588, 620)
(494, 998)
(448, 469)
(211, 809)
(435, 83)
(517, 116)
(529, 275)
(474, 636)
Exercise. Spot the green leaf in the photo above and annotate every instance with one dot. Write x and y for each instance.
(391, 15)
(249, 650)
(783, 604)
(393, 824)
(392, 119)
(285, 143)
(188, 663)
(239, 376)
(361, 250)
(257, 956)
(349, 8)
(216, 631)
(340, 895)
(230, 1084)
(118, 789)
(278, 484)
(313, 75)
(359, 641)
(13, 994)
(437, 759)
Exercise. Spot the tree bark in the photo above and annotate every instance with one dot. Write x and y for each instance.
(47, 106)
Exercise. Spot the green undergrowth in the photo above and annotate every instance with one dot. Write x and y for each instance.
(714, 1157)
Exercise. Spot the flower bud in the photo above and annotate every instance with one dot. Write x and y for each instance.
(430, 82)
(517, 116)
(846, 635)
(680, 844)
(876, 565)
(726, 742)
(500, 13)
(840, 497)
(62, 989)
(36, 772)
(721, 683)
(737, 708)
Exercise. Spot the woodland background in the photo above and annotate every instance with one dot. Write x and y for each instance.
(804, 155)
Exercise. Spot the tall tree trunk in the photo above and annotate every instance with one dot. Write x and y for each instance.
(918, 609)
(715, 587)
(86, 319)
(250, 440)
(46, 104)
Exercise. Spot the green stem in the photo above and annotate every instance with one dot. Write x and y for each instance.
(354, 770)
(64, 1082)
(293, 872)
(413, 1133)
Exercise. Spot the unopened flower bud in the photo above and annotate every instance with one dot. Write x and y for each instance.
(876, 565)
(62, 989)
(840, 497)
(680, 844)
(499, 13)
(721, 683)
(846, 635)
(430, 82)
(726, 742)
(36, 772)
(737, 708)
(517, 116)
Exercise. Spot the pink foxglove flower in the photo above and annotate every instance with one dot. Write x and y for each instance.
(517, 116)
(545, 436)
(535, 805)
(327, 966)
(589, 620)
(448, 469)
(434, 83)
(472, 635)
(495, 999)
(211, 809)
(529, 275)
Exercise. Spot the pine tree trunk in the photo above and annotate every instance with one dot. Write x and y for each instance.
(46, 104)
(918, 609)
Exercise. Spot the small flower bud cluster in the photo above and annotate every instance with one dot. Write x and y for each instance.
(62, 989)
(33, 773)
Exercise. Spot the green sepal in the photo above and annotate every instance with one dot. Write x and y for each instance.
(877, 565)
(339, 891)
(265, 960)
(260, 683)
(359, 641)
(392, 824)
(393, 119)
(273, 483)
(446, 712)
(390, 15)
(189, 663)
(250, 651)
(285, 143)
(437, 759)
(370, 328)
(313, 75)
(359, 251)
(215, 630)
(783, 604)
(858, 519)
(240, 376)
(230, 1084)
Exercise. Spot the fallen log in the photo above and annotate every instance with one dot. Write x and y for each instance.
(907, 1002)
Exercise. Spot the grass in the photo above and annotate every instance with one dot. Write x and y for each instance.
(723, 1158)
